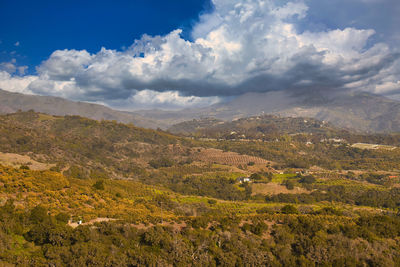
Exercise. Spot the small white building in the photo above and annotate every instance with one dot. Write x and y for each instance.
(243, 180)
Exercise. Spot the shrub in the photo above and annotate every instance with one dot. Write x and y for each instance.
(76, 172)
(309, 179)
(38, 214)
(289, 209)
(212, 201)
(24, 167)
(256, 176)
(160, 163)
(329, 211)
(289, 184)
(99, 185)
(259, 228)
(62, 217)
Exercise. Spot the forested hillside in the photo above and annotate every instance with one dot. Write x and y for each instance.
(270, 127)
(79, 192)
(257, 127)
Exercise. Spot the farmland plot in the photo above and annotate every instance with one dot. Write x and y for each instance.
(229, 158)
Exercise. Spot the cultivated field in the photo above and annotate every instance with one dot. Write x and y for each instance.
(275, 189)
(229, 158)
(372, 146)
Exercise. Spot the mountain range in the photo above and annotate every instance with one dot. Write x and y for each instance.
(12, 102)
(362, 112)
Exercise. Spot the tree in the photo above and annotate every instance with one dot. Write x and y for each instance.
(62, 217)
(289, 209)
(38, 214)
(256, 176)
(99, 185)
(162, 162)
(309, 179)
(289, 184)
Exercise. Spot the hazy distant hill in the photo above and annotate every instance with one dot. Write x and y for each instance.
(195, 126)
(360, 111)
(12, 102)
(256, 127)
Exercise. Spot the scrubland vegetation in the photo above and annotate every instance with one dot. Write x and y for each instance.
(149, 198)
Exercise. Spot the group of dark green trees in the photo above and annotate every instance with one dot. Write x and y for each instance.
(325, 238)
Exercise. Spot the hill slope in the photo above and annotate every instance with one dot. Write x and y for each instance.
(359, 111)
(12, 102)
(84, 147)
(193, 209)
(257, 127)
(362, 112)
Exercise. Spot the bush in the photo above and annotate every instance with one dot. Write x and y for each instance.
(289, 184)
(329, 211)
(259, 228)
(289, 209)
(266, 210)
(200, 222)
(307, 179)
(76, 172)
(99, 185)
(160, 163)
(62, 217)
(24, 167)
(38, 214)
(256, 176)
(212, 201)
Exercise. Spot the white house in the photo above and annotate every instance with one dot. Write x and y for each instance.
(243, 180)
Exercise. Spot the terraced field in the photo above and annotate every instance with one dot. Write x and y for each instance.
(228, 158)
(372, 146)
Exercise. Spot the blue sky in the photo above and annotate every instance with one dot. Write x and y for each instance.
(43, 26)
(174, 54)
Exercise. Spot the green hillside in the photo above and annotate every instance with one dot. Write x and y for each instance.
(257, 127)
(147, 197)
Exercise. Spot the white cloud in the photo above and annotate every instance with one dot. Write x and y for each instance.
(22, 69)
(168, 99)
(64, 64)
(16, 83)
(17, 43)
(248, 45)
(388, 87)
(12, 66)
(8, 67)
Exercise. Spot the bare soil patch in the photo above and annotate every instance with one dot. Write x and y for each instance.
(275, 189)
(75, 224)
(16, 160)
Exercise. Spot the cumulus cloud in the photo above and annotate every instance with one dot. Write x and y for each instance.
(64, 65)
(12, 67)
(241, 46)
(8, 67)
(16, 83)
(171, 100)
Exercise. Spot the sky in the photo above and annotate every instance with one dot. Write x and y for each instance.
(175, 54)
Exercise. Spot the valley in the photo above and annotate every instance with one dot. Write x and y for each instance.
(284, 189)
(202, 133)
